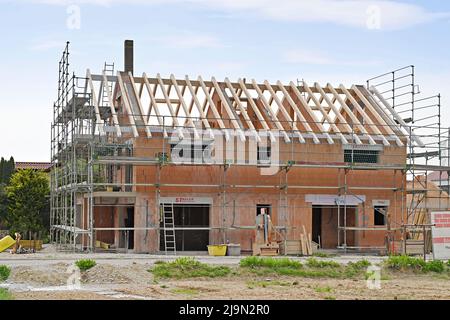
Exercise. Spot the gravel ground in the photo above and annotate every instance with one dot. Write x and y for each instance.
(45, 275)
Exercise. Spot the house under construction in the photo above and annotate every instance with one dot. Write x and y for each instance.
(161, 164)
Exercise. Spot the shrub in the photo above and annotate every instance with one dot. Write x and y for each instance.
(5, 271)
(85, 264)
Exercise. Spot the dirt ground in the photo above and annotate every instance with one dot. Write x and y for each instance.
(131, 280)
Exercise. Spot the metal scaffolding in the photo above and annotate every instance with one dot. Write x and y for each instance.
(92, 152)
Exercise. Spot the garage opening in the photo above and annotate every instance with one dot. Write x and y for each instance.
(189, 216)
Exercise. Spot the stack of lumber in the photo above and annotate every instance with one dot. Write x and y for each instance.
(305, 246)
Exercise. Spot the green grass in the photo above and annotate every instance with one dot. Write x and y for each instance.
(407, 263)
(264, 284)
(323, 255)
(330, 298)
(186, 291)
(313, 268)
(314, 263)
(85, 264)
(252, 262)
(5, 271)
(5, 294)
(326, 289)
(186, 267)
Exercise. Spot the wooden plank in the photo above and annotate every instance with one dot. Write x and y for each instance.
(286, 115)
(226, 105)
(369, 121)
(199, 106)
(269, 109)
(153, 103)
(141, 109)
(127, 105)
(111, 106)
(185, 108)
(324, 113)
(350, 113)
(308, 109)
(96, 106)
(338, 113)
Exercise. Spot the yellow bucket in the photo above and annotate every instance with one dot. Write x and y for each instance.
(217, 250)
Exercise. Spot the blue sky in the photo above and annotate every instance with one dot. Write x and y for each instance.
(334, 41)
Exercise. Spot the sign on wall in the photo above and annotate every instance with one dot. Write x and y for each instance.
(440, 234)
(186, 200)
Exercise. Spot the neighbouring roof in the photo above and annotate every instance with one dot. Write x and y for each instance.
(140, 106)
(438, 176)
(44, 166)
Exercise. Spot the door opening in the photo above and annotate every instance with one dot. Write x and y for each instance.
(195, 218)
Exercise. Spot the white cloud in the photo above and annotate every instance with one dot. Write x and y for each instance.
(189, 40)
(46, 45)
(314, 57)
(354, 13)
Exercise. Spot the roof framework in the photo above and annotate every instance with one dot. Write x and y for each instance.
(323, 114)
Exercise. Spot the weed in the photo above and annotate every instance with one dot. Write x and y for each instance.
(253, 262)
(187, 291)
(415, 264)
(5, 294)
(5, 271)
(323, 255)
(186, 267)
(330, 298)
(265, 284)
(85, 264)
(314, 263)
(434, 266)
(323, 289)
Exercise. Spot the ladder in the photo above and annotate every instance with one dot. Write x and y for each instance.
(109, 71)
(169, 229)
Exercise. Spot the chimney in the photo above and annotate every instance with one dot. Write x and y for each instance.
(129, 59)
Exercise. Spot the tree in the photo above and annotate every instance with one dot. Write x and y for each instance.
(3, 205)
(7, 168)
(27, 194)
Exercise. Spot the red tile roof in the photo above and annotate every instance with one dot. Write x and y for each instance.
(44, 166)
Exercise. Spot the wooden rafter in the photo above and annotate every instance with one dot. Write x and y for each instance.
(306, 107)
(286, 115)
(141, 109)
(96, 106)
(271, 112)
(377, 116)
(324, 113)
(213, 107)
(247, 119)
(153, 103)
(175, 122)
(185, 107)
(226, 105)
(111, 105)
(337, 112)
(199, 106)
(352, 116)
(127, 105)
(298, 112)
(369, 121)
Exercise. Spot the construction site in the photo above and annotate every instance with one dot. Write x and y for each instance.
(143, 163)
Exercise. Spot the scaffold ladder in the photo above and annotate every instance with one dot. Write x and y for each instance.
(169, 229)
